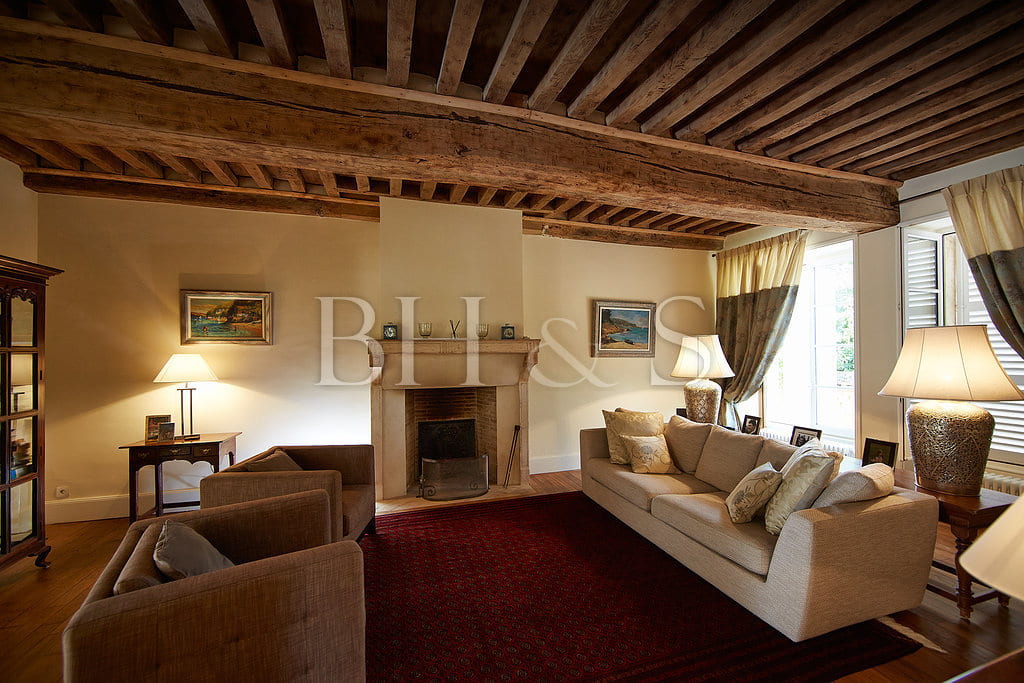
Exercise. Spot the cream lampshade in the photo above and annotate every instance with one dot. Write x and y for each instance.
(701, 358)
(997, 557)
(186, 367)
(950, 438)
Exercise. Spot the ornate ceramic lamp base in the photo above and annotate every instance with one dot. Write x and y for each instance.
(702, 400)
(949, 441)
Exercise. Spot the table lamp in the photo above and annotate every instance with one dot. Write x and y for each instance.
(702, 359)
(186, 367)
(950, 438)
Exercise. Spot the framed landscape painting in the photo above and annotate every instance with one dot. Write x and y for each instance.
(226, 317)
(623, 329)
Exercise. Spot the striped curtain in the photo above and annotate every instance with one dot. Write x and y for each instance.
(988, 214)
(757, 286)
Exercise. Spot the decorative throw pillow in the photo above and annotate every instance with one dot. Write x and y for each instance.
(629, 423)
(181, 551)
(866, 483)
(278, 461)
(686, 441)
(649, 454)
(801, 485)
(753, 491)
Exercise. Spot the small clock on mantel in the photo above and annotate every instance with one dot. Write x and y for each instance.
(390, 331)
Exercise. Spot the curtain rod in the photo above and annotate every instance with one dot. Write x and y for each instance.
(918, 196)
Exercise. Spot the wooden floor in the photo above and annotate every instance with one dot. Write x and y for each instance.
(35, 604)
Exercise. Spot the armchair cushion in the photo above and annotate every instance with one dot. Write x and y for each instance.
(278, 461)
(182, 551)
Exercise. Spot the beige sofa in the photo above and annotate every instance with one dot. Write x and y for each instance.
(828, 568)
(291, 609)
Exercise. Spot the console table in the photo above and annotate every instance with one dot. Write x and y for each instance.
(967, 517)
(211, 448)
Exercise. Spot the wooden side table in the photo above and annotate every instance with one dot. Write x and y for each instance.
(967, 517)
(211, 448)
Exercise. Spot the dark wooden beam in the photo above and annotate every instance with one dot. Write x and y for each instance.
(16, 152)
(77, 14)
(54, 152)
(182, 165)
(333, 17)
(955, 152)
(209, 24)
(147, 20)
(427, 189)
(401, 19)
(655, 27)
(527, 24)
(99, 156)
(588, 32)
(111, 91)
(259, 175)
(294, 178)
(486, 195)
(220, 170)
(461, 29)
(616, 235)
(330, 183)
(273, 29)
(458, 192)
(395, 187)
(513, 199)
(362, 183)
(140, 161)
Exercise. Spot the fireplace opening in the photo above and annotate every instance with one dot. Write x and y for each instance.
(450, 467)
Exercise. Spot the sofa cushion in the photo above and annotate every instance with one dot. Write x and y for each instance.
(705, 519)
(181, 551)
(727, 457)
(640, 489)
(686, 441)
(631, 423)
(752, 493)
(140, 571)
(649, 454)
(814, 447)
(802, 482)
(866, 483)
(357, 507)
(775, 452)
(278, 461)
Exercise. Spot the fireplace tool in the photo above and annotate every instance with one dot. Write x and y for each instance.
(511, 455)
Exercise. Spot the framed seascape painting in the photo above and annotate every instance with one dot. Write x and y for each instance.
(623, 329)
(226, 317)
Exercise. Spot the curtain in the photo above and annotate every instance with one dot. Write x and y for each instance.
(757, 286)
(988, 214)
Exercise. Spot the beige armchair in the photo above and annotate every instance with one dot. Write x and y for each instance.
(345, 472)
(291, 609)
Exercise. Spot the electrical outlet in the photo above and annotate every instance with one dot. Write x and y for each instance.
(62, 492)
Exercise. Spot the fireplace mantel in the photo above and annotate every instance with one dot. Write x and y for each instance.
(443, 362)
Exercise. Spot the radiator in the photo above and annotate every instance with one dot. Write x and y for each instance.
(827, 445)
(1007, 483)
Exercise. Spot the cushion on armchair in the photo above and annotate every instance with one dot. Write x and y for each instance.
(181, 551)
(278, 461)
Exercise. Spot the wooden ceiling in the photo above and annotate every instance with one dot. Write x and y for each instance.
(663, 122)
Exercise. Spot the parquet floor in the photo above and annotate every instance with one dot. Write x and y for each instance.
(35, 604)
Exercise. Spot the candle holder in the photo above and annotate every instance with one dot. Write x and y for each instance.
(425, 329)
(482, 330)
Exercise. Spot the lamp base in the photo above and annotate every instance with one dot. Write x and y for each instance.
(949, 441)
(702, 400)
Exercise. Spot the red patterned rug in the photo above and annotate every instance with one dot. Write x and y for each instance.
(556, 588)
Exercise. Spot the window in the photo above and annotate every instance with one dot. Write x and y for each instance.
(810, 383)
(940, 290)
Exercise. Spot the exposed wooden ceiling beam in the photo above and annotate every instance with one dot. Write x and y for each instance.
(561, 209)
(836, 37)
(727, 21)
(581, 211)
(609, 233)
(140, 161)
(330, 183)
(182, 165)
(395, 187)
(427, 189)
(273, 29)
(890, 41)
(209, 24)
(965, 34)
(486, 195)
(461, 29)
(294, 178)
(955, 152)
(259, 175)
(458, 192)
(514, 198)
(624, 217)
(77, 14)
(527, 24)
(646, 222)
(655, 27)
(220, 170)
(333, 17)
(99, 156)
(588, 32)
(16, 152)
(147, 20)
(541, 202)
(362, 183)
(116, 91)
(401, 19)
(54, 152)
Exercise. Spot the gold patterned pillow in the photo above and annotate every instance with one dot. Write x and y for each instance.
(628, 423)
(752, 493)
(801, 485)
(649, 455)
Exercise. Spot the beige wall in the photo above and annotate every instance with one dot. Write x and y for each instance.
(561, 279)
(113, 321)
(19, 225)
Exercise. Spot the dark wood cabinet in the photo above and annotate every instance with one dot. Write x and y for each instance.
(22, 335)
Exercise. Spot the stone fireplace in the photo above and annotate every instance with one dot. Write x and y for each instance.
(428, 380)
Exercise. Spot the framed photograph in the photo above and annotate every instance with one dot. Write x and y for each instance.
(681, 412)
(802, 435)
(751, 424)
(622, 329)
(226, 317)
(876, 450)
(165, 432)
(153, 423)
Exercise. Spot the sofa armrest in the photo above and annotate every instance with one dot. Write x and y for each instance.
(299, 615)
(866, 558)
(226, 488)
(355, 462)
(593, 444)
